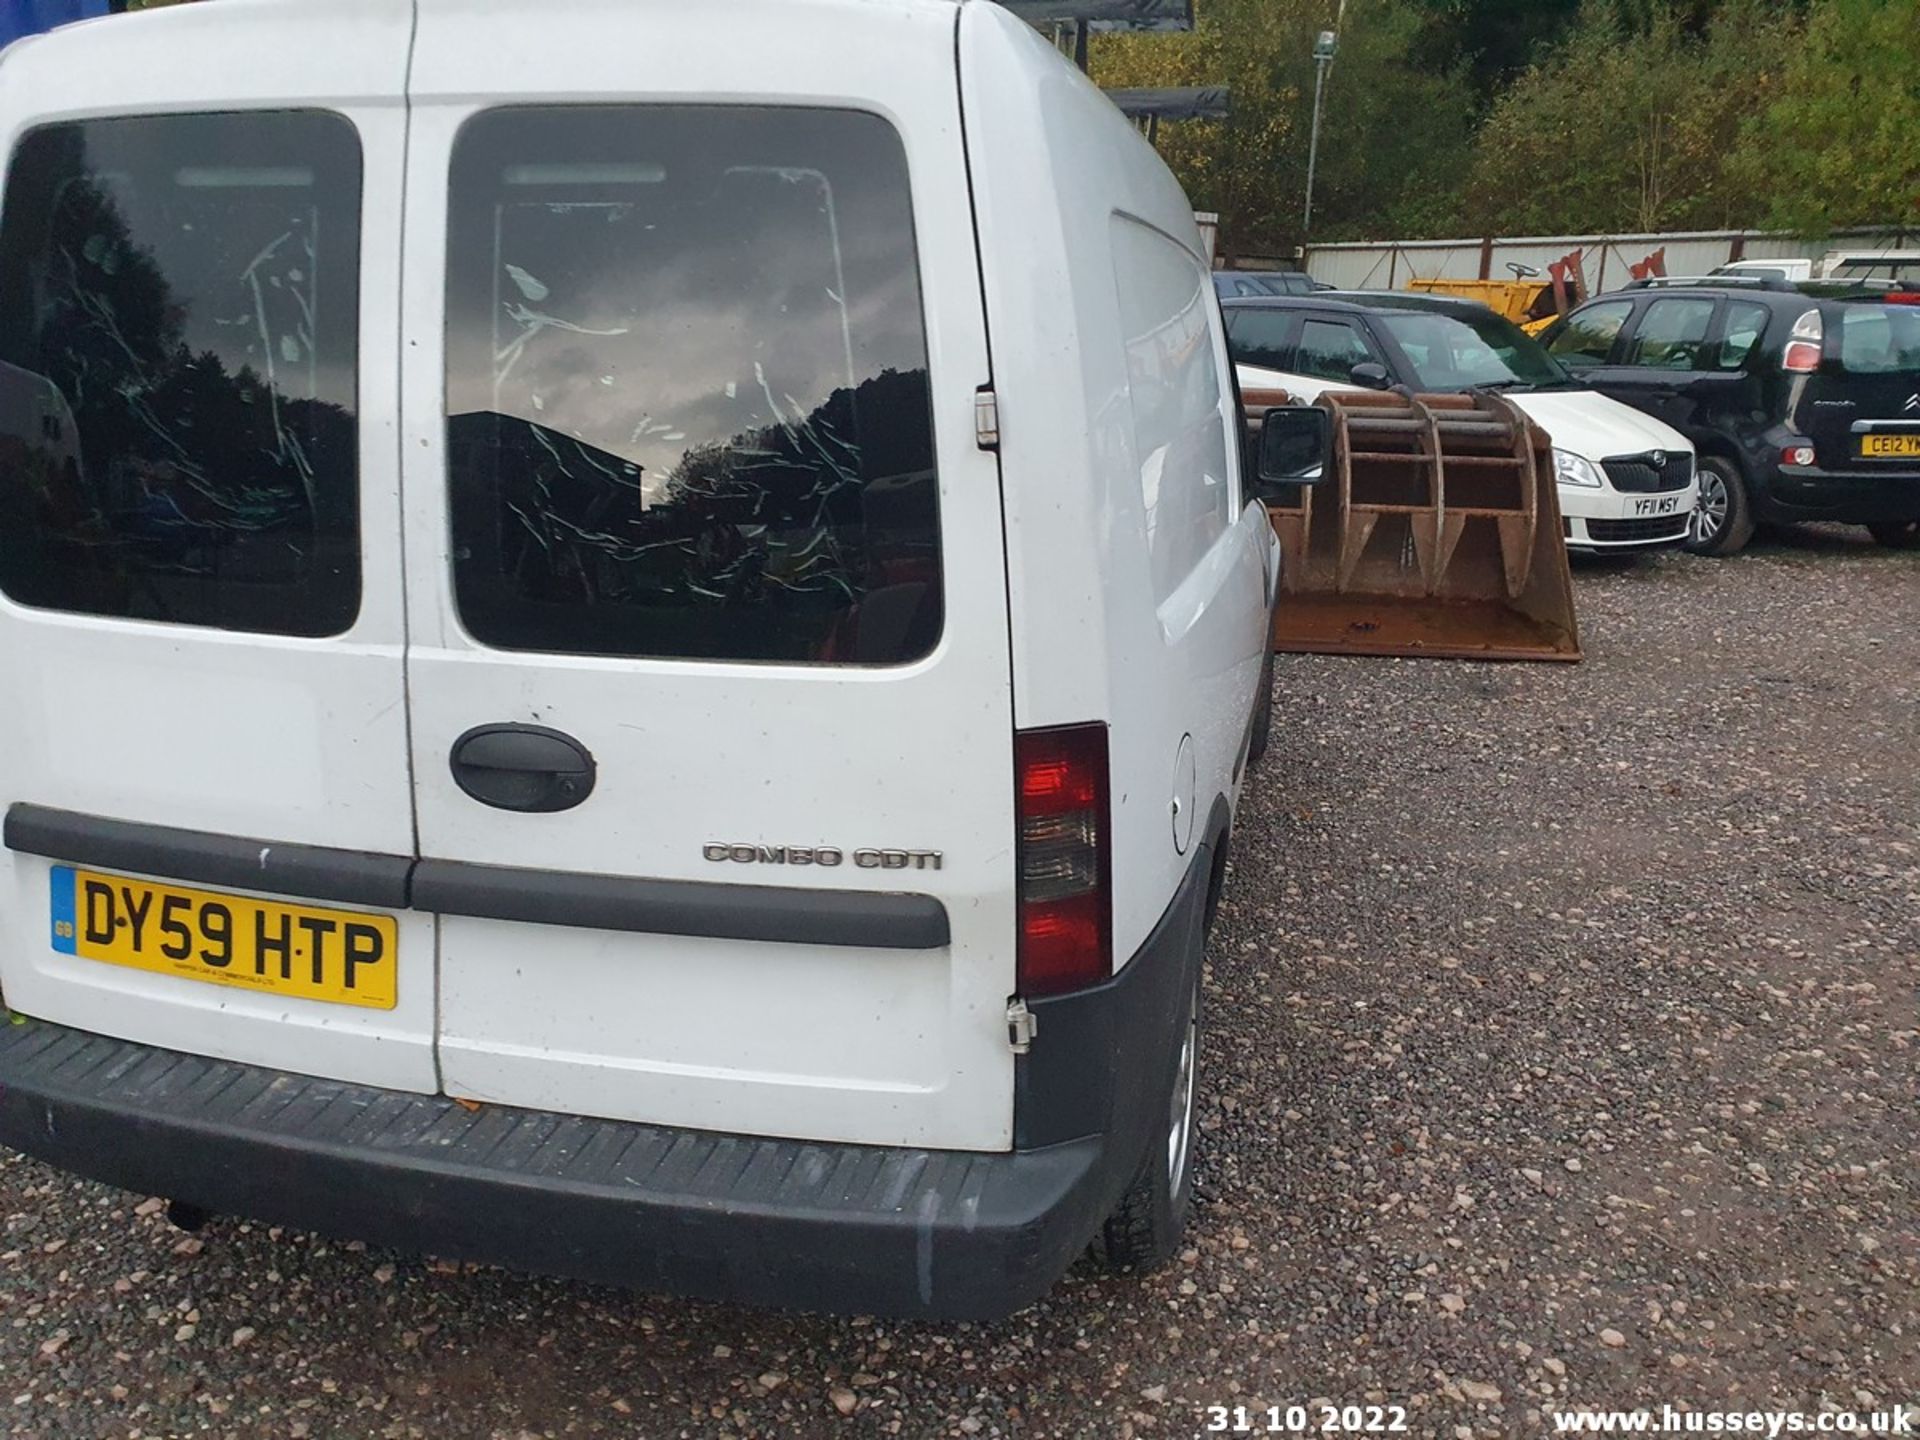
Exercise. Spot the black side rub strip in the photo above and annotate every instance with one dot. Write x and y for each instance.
(537, 897)
(682, 907)
(355, 877)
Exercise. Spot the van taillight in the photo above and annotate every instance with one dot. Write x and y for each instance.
(1802, 355)
(1065, 859)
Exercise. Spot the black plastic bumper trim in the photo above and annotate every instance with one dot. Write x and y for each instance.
(354, 877)
(1102, 1058)
(854, 918)
(683, 907)
(847, 1228)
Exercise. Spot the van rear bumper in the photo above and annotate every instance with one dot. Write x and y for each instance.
(849, 1228)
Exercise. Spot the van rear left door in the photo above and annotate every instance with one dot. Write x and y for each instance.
(203, 741)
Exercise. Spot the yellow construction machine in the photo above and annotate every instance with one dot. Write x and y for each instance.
(1532, 301)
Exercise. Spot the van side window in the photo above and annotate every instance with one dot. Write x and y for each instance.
(1173, 384)
(688, 412)
(179, 301)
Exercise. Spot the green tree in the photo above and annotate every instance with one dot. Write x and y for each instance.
(1629, 124)
(1840, 143)
(1494, 40)
(1395, 137)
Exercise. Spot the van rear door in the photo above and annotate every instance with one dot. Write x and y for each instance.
(709, 662)
(203, 748)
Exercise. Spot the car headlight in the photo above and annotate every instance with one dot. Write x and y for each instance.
(1571, 469)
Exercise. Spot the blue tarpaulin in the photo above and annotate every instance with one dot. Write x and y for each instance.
(30, 17)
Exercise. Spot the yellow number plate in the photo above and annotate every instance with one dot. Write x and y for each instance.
(1890, 447)
(346, 956)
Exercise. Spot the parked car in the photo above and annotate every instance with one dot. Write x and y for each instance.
(629, 769)
(1781, 268)
(1871, 267)
(1232, 283)
(1625, 482)
(1803, 406)
(1865, 266)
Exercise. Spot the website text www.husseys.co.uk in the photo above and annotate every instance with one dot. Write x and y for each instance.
(1900, 1420)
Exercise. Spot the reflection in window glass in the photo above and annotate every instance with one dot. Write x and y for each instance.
(1173, 388)
(178, 325)
(1455, 352)
(1588, 335)
(1746, 323)
(1671, 333)
(1258, 337)
(1330, 349)
(1880, 340)
(688, 412)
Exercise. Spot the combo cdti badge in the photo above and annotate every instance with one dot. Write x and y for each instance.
(636, 664)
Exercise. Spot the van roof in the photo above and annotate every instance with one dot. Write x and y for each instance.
(142, 26)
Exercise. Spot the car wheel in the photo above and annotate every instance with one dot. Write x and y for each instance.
(1722, 520)
(1145, 1227)
(1262, 715)
(1897, 534)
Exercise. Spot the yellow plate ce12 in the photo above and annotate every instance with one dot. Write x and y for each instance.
(1896, 446)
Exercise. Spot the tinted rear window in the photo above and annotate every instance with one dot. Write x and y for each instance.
(1258, 337)
(688, 409)
(178, 324)
(1880, 339)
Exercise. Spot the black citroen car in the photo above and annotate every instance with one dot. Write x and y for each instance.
(1802, 400)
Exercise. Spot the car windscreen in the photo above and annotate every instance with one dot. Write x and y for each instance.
(1880, 339)
(688, 412)
(1457, 352)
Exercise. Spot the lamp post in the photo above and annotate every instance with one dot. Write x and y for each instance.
(1324, 49)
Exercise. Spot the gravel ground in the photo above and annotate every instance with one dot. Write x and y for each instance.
(1563, 1051)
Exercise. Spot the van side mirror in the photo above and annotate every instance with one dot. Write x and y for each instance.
(1296, 443)
(1370, 375)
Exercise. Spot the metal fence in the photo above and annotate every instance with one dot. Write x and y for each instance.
(1606, 260)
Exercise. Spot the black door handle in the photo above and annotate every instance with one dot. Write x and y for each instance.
(522, 767)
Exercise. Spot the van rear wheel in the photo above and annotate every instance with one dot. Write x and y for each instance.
(1146, 1226)
(1897, 534)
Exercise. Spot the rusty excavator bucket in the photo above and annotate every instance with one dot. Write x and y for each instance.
(1436, 532)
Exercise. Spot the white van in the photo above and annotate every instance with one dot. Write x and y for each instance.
(661, 637)
(1626, 480)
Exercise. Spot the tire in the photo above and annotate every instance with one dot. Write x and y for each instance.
(1262, 715)
(1722, 521)
(1146, 1227)
(1897, 534)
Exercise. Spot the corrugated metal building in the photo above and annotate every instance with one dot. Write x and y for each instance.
(1605, 259)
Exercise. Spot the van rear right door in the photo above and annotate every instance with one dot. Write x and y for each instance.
(709, 671)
